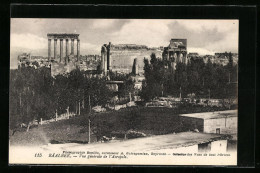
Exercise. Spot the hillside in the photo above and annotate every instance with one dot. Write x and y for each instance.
(151, 121)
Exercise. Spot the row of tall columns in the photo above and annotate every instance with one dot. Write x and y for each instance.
(61, 48)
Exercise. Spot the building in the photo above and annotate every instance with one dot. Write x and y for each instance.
(27, 59)
(218, 58)
(223, 58)
(175, 53)
(119, 57)
(222, 122)
(63, 36)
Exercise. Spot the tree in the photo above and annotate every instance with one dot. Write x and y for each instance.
(156, 77)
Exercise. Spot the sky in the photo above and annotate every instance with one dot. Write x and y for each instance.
(203, 36)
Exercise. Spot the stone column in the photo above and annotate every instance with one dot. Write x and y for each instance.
(185, 58)
(78, 49)
(67, 47)
(55, 48)
(105, 62)
(104, 59)
(175, 57)
(180, 57)
(67, 51)
(135, 67)
(49, 48)
(109, 58)
(72, 46)
(61, 49)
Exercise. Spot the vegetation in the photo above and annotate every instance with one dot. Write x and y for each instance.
(35, 94)
(126, 88)
(150, 121)
(196, 78)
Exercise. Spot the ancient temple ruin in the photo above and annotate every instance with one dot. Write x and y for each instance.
(61, 37)
(176, 52)
(120, 57)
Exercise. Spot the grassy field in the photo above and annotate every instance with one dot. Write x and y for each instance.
(151, 121)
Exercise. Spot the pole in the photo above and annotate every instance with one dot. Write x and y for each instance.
(162, 90)
(79, 107)
(56, 115)
(83, 102)
(76, 111)
(180, 93)
(67, 113)
(229, 78)
(89, 119)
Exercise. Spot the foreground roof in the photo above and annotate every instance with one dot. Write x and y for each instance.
(212, 115)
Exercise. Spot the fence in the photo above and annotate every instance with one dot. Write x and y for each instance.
(57, 118)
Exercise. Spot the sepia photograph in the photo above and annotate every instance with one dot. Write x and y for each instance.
(123, 91)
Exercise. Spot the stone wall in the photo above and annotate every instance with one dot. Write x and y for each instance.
(227, 125)
(122, 60)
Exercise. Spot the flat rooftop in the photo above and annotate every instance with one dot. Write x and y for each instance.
(152, 143)
(212, 115)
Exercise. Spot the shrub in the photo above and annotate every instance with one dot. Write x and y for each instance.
(134, 134)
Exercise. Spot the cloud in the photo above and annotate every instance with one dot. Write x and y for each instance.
(147, 32)
(204, 35)
(88, 48)
(103, 23)
(201, 25)
(219, 36)
(28, 41)
(228, 43)
(200, 51)
(210, 35)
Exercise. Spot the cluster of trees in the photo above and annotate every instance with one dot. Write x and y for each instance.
(35, 94)
(126, 89)
(198, 79)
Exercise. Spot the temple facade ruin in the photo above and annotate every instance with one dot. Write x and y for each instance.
(176, 52)
(120, 57)
(61, 37)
